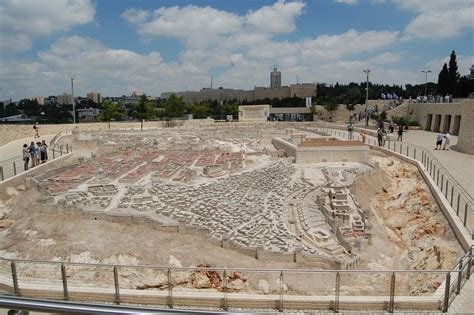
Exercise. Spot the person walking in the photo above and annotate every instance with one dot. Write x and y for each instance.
(32, 153)
(380, 136)
(447, 141)
(36, 128)
(439, 141)
(26, 156)
(400, 133)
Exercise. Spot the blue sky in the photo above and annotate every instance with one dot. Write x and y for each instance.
(117, 47)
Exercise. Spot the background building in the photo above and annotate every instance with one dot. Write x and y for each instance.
(275, 78)
(39, 99)
(64, 99)
(301, 90)
(95, 97)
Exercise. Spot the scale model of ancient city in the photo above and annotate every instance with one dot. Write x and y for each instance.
(272, 192)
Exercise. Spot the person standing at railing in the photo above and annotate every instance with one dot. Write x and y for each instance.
(447, 141)
(400, 133)
(439, 141)
(32, 153)
(350, 128)
(44, 152)
(26, 156)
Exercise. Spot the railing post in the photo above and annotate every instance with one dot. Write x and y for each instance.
(61, 149)
(64, 278)
(437, 177)
(442, 182)
(392, 293)
(16, 289)
(465, 214)
(170, 289)
(401, 148)
(1, 173)
(457, 206)
(336, 297)
(446, 292)
(14, 167)
(469, 264)
(67, 147)
(408, 150)
(225, 305)
(423, 157)
(458, 287)
(452, 195)
(54, 155)
(414, 153)
(446, 192)
(280, 304)
(117, 286)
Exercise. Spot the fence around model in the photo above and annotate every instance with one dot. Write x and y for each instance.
(15, 165)
(459, 199)
(232, 288)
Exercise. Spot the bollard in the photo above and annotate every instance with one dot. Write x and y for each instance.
(336, 297)
(392, 293)
(170, 290)
(225, 304)
(64, 278)
(14, 167)
(117, 286)
(15, 279)
(280, 304)
(446, 292)
(458, 287)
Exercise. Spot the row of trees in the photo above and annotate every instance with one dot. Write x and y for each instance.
(172, 107)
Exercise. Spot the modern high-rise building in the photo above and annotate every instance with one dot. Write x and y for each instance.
(65, 99)
(275, 78)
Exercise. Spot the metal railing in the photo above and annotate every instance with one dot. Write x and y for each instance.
(15, 165)
(457, 196)
(279, 289)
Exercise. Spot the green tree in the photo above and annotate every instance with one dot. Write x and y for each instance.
(443, 81)
(145, 109)
(200, 110)
(453, 75)
(111, 111)
(174, 106)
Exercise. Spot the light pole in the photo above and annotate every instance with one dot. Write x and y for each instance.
(426, 77)
(73, 102)
(367, 98)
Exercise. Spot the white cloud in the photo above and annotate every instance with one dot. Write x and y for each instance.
(27, 19)
(135, 15)
(438, 19)
(278, 18)
(385, 58)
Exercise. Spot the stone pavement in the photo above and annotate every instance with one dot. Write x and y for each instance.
(13, 148)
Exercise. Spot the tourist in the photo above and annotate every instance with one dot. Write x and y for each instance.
(32, 152)
(391, 126)
(439, 141)
(26, 156)
(362, 137)
(380, 136)
(384, 136)
(447, 141)
(36, 128)
(350, 128)
(38, 153)
(44, 148)
(400, 133)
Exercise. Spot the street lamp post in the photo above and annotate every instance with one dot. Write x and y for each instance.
(367, 98)
(426, 77)
(73, 102)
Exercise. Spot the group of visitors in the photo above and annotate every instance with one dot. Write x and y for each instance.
(439, 141)
(382, 132)
(434, 99)
(37, 153)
